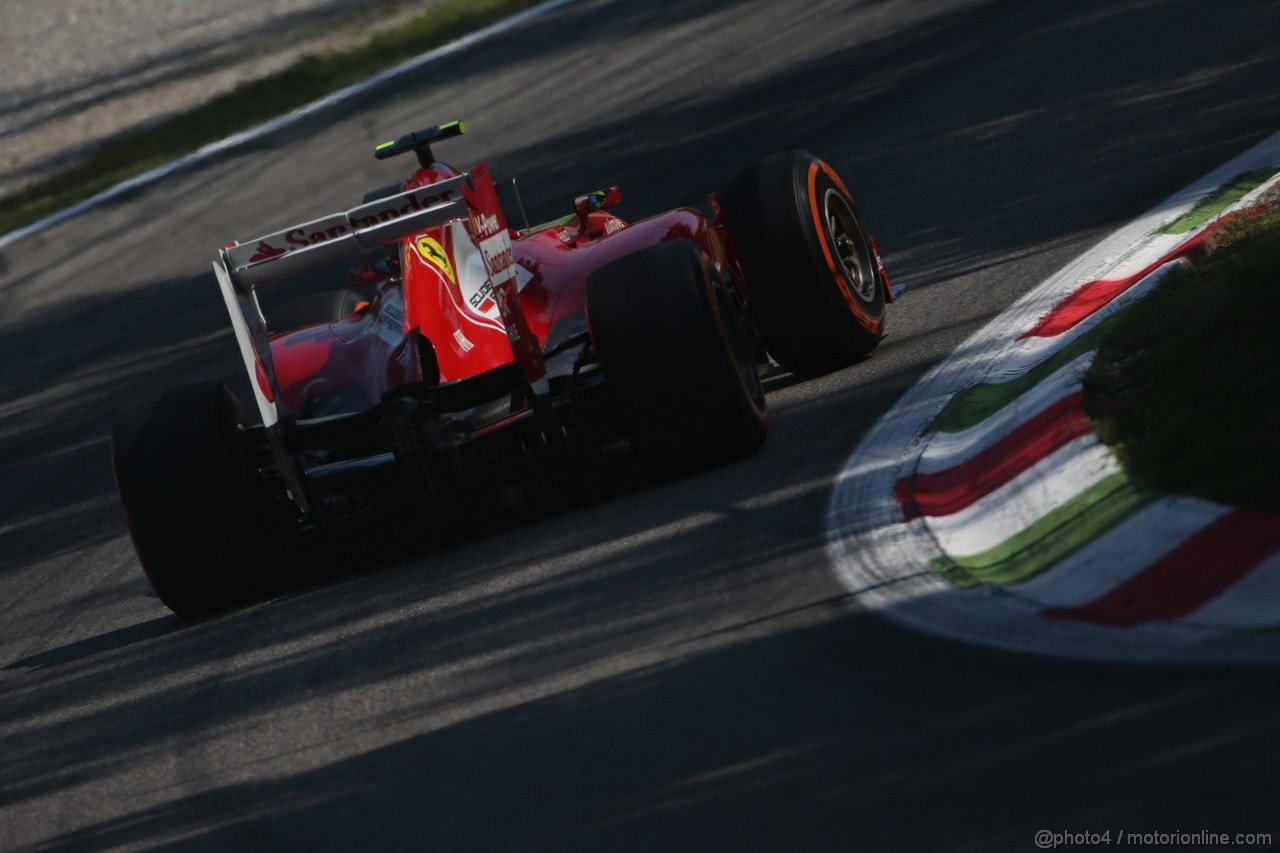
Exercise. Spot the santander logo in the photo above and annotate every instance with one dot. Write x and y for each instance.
(265, 252)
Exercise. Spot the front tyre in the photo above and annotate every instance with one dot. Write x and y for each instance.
(188, 498)
(817, 289)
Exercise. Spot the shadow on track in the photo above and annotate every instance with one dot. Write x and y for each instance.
(61, 392)
(688, 754)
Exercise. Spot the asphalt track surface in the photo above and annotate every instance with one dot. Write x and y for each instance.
(672, 666)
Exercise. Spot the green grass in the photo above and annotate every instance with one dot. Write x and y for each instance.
(310, 78)
(1186, 388)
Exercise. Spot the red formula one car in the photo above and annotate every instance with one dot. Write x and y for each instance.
(468, 358)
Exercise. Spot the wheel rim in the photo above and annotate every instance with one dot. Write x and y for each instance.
(849, 242)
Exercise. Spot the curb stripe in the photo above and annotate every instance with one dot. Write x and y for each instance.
(953, 489)
(1121, 552)
(1025, 352)
(1219, 201)
(1063, 531)
(1005, 513)
(1090, 297)
(1190, 576)
(948, 449)
(978, 402)
(1254, 602)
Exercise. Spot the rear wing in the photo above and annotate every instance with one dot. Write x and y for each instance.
(341, 235)
(241, 267)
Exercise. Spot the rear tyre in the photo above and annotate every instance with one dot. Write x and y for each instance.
(677, 355)
(817, 294)
(187, 498)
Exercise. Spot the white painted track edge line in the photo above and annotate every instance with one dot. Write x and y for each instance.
(271, 126)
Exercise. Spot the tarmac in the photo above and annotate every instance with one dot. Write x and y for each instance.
(78, 72)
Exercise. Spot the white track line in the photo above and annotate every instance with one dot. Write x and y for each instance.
(215, 148)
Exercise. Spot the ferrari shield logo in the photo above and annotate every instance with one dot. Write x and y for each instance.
(434, 254)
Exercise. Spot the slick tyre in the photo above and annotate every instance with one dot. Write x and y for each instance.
(677, 356)
(817, 294)
(187, 500)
